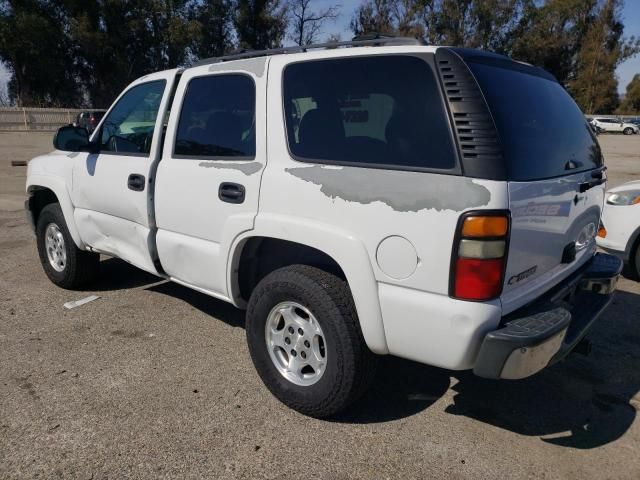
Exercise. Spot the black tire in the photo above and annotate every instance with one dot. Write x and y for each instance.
(80, 267)
(634, 261)
(350, 365)
(628, 131)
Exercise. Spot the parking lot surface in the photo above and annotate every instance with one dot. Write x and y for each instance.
(154, 380)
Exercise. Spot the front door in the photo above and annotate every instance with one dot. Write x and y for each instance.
(111, 191)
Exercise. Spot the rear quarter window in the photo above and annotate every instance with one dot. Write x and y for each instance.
(378, 111)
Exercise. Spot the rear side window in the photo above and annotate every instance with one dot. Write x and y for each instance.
(382, 111)
(217, 119)
(542, 131)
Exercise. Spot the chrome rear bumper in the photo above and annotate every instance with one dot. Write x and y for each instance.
(545, 332)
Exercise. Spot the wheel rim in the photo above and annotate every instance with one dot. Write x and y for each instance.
(296, 343)
(54, 244)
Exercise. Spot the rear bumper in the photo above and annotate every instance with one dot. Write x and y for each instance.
(543, 333)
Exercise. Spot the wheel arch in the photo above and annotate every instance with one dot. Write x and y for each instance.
(43, 190)
(632, 244)
(339, 252)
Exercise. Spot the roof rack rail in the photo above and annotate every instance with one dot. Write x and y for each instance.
(358, 41)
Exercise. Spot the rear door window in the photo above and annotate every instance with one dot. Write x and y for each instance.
(217, 119)
(542, 131)
(378, 111)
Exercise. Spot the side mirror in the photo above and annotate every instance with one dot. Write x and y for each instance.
(71, 139)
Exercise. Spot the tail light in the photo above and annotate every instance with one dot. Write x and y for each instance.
(479, 255)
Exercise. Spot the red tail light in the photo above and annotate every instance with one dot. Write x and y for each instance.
(479, 255)
(478, 279)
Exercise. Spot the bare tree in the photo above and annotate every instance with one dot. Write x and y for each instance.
(306, 22)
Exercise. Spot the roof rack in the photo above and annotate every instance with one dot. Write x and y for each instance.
(372, 40)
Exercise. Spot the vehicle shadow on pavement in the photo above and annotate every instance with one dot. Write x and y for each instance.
(116, 274)
(582, 402)
(213, 307)
(401, 388)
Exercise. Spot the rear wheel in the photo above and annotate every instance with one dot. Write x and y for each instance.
(305, 340)
(628, 131)
(65, 264)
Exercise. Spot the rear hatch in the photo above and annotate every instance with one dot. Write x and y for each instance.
(554, 172)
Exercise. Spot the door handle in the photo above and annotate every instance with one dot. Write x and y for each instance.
(136, 182)
(231, 192)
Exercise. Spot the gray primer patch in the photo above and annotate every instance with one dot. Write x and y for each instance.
(402, 191)
(252, 65)
(248, 168)
(73, 154)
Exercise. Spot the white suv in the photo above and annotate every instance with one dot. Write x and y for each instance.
(614, 125)
(375, 197)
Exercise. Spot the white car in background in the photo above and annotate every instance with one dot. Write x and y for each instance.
(612, 125)
(620, 234)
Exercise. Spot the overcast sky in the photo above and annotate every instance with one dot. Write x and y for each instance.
(626, 71)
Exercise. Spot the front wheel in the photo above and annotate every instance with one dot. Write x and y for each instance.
(65, 264)
(628, 131)
(305, 340)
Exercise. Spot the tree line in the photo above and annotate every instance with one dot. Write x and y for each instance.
(83, 52)
(580, 41)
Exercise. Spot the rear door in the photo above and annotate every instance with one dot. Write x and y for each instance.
(556, 178)
(208, 181)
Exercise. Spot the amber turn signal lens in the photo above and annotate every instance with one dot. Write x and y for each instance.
(602, 232)
(489, 226)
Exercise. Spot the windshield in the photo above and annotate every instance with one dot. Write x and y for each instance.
(542, 131)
